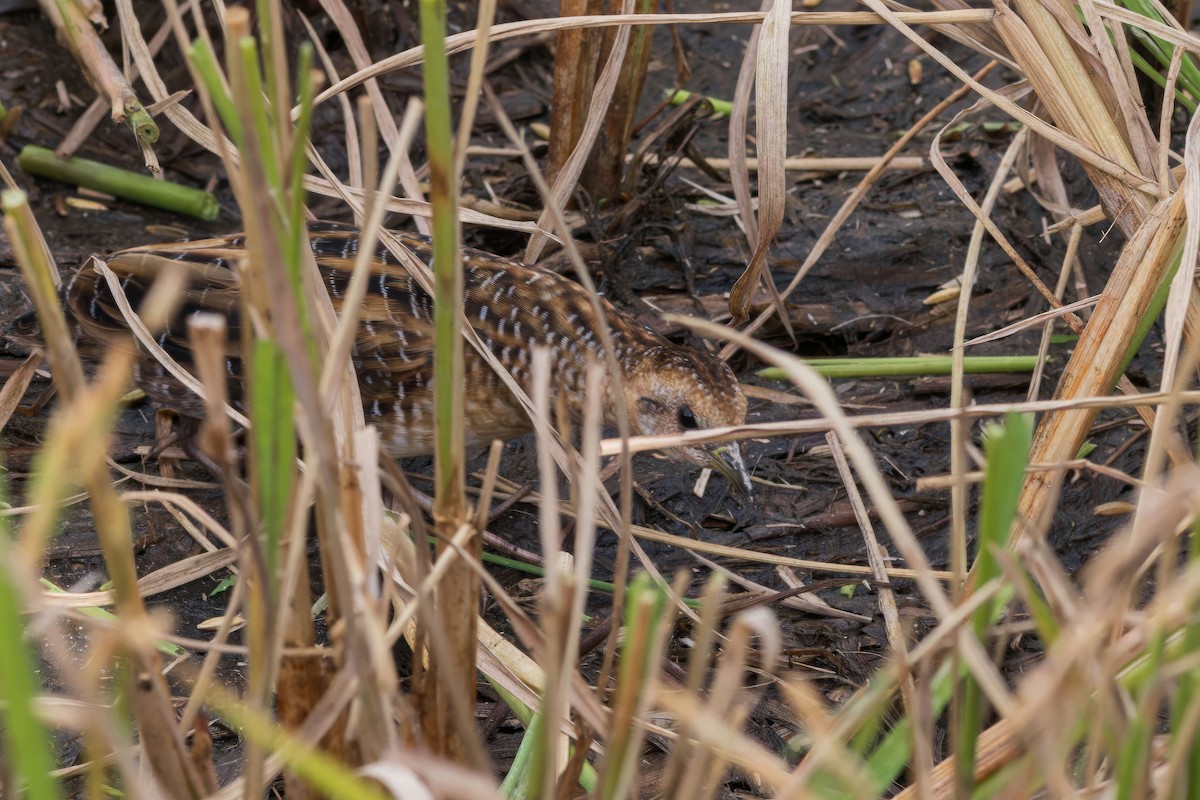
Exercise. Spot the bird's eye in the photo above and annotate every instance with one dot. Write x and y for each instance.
(687, 419)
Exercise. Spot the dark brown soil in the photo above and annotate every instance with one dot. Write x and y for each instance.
(850, 96)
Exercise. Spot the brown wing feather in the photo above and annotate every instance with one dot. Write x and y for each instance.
(512, 307)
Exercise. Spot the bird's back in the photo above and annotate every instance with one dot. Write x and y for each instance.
(512, 308)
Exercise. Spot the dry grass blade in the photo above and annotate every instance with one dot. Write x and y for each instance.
(746, 554)
(958, 429)
(1069, 265)
(808, 602)
(172, 576)
(216, 143)
(727, 699)
(1073, 145)
(459, 42)
(568, 177)
(1026, 269)
(897, 640)
(1033, 322)
(970, 649)
(771, 107)
(357, 158)
(1100, 352)
(337, 372)
(475, 77)
(575, 53)
(1065, 86)
(88, 120)
(42, 281)
(852, 201)
(82, 429)
(147, 340)
(996, 748)
(14, 388)
(1182, 285)
(641, 444)
(802, 164)
(352, 37)
(705, 635)
(207, 335)
(104, 75)
(1119, 654)
(739, 173)
(823, 399)
(554, 602)
(1175, 35)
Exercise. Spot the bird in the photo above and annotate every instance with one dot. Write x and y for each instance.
(667, 388)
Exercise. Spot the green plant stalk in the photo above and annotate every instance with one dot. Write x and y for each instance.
(74, 27)
(1133, 756)
(205, 63)
(907, 366)
(969, 711)
(721, 108)
(298, 241)
(1162, 49)
(95, 612)
(30, 760)
(119, 182)
(309, 763)
(891, 756)
(518, 781)
(458, 594)
(272, 394)
(248, 50)
(1007, 447)
(1189, 683)
(1153, 74)
(1154, 307)
(273, 398)
(594, 583)
(263, 198)
(27, 741)
(877, 696)
(643, 614)
(274, 48)
(260, 136)
(1000, 783)
(38, 271)
(523, 760)
(1044, 621)
(143, 125)
(448, 280)
(1007, 455)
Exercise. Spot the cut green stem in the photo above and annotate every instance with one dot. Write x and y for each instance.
(908, 366)
(119, 182)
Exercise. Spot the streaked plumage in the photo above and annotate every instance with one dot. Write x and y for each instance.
(668, 388)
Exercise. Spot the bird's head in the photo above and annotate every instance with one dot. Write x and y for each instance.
(672, 390)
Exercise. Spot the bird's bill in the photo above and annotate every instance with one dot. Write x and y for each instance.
(727, 460)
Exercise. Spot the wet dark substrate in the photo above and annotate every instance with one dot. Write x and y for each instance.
(865, 299)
